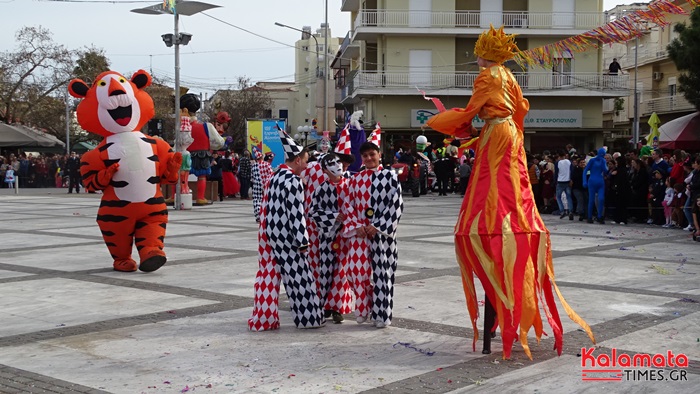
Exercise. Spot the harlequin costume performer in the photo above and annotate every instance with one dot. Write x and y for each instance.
(375, 207)
(127, 166)
(312, 177)
(500, 237)
(260, 174)
(282, 240)
(327, 211)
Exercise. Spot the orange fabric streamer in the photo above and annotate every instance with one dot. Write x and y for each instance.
(499, 236)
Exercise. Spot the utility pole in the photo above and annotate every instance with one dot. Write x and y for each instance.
(67, 123)
(325, 72)
(635, 125)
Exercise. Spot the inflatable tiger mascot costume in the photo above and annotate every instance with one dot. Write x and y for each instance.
(127, 166)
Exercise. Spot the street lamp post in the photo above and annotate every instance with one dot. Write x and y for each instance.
(180, 7)
(303, 130)
(635, 126)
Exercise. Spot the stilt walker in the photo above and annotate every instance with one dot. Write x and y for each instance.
(500, 237)
(283, 243)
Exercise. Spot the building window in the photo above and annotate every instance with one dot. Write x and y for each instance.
(284, 114)
(672, 90)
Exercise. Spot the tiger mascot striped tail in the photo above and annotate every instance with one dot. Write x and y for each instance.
(127, 166)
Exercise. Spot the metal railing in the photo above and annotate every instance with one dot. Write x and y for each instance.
(479, 19)
(666, 104)
(528, 81)
(646, 55)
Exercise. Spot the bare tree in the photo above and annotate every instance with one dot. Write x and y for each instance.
(247, 102)
(34, 71)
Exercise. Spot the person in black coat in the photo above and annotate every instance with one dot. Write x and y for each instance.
(658, 192)
(620, 188)
(216, 173)
(444, 168)
(73, 170)
(639, 185)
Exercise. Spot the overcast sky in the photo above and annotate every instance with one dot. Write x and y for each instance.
(218, 53)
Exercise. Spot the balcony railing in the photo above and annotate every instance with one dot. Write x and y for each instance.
(666, 104)
(529, 81)
(479, 19)
(646, 55)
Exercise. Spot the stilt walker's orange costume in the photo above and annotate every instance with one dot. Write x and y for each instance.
(127, 166)
(499, 236)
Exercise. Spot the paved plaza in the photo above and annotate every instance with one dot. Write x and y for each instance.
(69, 323)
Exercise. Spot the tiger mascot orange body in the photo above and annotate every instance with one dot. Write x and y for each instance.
(127, 166)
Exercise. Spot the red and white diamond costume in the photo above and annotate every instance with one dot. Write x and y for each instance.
(312, 177)
(334, 289)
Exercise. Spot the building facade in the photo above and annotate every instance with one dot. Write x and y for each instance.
(656, 80)
(307, 104)
(397, 46)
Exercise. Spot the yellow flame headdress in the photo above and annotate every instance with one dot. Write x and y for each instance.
(496, 45)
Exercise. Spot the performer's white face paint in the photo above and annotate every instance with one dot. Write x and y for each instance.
(324, 146)
(335, 167)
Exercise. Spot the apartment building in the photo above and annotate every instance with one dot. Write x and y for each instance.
(656, 80)
(396, 46)
(307, 104)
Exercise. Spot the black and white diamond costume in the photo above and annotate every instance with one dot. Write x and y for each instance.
(283, 238)
(375, 199)
(328, 201)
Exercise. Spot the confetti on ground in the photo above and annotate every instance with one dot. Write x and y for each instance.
(661, 270)
(688, 300)
(624, 248)
(186, 389)
(408, 345)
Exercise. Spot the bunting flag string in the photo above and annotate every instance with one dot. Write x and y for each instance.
(623, 29)
(169, 5)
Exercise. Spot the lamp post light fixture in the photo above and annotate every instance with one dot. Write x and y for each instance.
(303, 131)
(180, 7)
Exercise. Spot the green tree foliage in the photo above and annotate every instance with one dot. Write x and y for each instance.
(685, 52)
(91, 63)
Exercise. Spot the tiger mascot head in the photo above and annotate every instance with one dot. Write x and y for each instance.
(113, 104)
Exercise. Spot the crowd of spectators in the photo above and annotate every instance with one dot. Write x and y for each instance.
(35, 170)
(654, 188)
